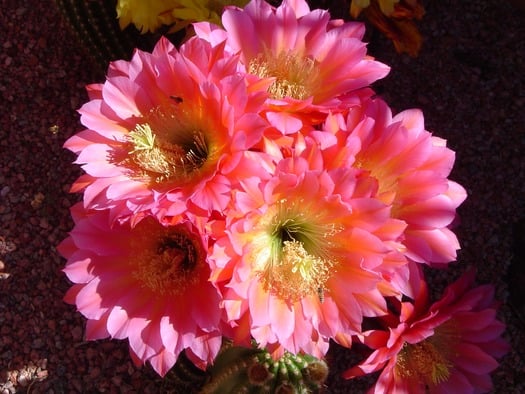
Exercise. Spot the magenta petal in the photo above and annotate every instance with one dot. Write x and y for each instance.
(482, 319)
(206, 346)
(139, 328)
(71, 294)
(93, 118)
(331, 322)
(285, 33)
(169, 335)
(457, 383)
(482, 383)
(77, 268)
(95, 190)
(240, 25)
(206, 312)
(471, 358)
(82, 139)
(412, 120)
(214, 194)
(119, 190)
(436, 212)
(89, 301)
(96, 329)
(118, 93)
(434, 246)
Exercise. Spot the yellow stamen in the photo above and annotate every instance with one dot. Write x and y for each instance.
(425, 362)
(295, 75)
(169, 266)
(292, 252)
(167, 146)
(297, 273)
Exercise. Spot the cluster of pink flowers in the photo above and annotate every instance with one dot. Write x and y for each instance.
(250, 185)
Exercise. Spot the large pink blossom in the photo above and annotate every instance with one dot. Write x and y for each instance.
(149, 284)
(166, 132)
(300, 263)
(317, 64)
(449, 348)
(411, 168)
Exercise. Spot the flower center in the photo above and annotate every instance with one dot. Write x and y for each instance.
(294, 75)
(425, 362)
(167, 147)
(168, 266)
(292, 255)
(298, 273)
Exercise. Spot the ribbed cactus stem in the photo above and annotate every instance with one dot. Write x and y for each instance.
(253, 371)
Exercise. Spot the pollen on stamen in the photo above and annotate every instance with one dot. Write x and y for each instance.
(169, 266)
(297, 273)
(294, 75)
(155, 157)
(292, 251)
(425, 362)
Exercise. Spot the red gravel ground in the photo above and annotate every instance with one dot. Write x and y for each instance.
(469, 81)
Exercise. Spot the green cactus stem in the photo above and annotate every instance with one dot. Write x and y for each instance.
(252, 370)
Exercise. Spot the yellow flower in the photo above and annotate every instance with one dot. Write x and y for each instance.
(150, 15)
(386, 6)
(203, 10)
(395, 19)
(145, 15)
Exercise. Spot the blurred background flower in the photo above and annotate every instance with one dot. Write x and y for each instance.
(395, 19)
(147, 16)
(150, 16)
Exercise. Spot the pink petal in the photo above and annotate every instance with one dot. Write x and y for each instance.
(259, 306)
(282, 318)
(284, 122)
(163, 362)
(118, 323)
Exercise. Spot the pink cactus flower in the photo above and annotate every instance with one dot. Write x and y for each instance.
(298, 263)
(166, 133)
(450, 347)
(317, 64)
(149, 284)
